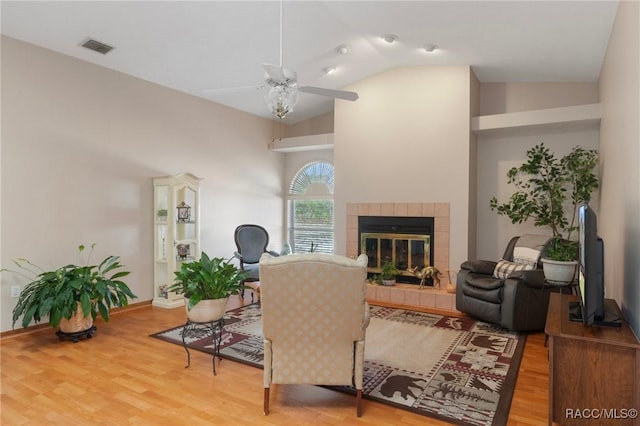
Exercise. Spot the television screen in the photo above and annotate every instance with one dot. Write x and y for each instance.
(591, 308)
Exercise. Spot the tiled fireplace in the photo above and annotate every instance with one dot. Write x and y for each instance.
(408, 294)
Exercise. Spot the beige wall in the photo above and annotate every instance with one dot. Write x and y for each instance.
(619, 218)
(80, 144)
(474, 110)
(313, 126)
(500, 98)
(406, 140)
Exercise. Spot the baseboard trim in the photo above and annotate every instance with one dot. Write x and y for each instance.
(36, 328)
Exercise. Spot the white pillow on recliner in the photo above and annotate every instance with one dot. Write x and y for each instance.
(504, 268)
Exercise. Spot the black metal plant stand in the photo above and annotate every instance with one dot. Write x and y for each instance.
(192, 329)
(76, 336)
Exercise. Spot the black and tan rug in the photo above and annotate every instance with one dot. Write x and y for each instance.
(454, 369)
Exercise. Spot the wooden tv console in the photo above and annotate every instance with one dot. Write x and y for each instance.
(594, 372)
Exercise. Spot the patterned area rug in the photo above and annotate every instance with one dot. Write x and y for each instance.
(455, 369)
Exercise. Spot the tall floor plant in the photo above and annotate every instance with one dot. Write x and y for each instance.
(549, 191)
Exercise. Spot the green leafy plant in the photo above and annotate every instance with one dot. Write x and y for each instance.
(214, 278)
(389, 271)
(549, 191)
(56, 293)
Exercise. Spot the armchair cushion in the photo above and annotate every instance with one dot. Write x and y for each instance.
(504, 268)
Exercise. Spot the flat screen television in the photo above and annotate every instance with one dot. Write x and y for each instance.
(591, 308)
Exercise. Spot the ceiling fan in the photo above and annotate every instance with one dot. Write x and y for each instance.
(283, 86)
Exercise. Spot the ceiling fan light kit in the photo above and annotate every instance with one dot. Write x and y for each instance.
(281, 100)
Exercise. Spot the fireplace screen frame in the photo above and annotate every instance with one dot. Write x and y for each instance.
(414, 229)
(406, 244)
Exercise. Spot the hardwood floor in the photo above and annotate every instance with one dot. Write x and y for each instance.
(123, 377)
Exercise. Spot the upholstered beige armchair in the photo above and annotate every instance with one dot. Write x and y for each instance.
(314, 317)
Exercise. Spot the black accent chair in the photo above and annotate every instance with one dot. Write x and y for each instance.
(517, 303)
(251, 242)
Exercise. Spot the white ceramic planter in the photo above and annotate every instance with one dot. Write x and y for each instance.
(206, 310)
(559, 272)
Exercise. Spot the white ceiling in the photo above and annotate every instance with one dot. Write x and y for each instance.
(200, 45)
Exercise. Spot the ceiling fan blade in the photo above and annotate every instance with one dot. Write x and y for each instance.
(225, 89)
(338, 94)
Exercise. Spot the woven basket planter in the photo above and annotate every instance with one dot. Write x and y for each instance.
(77, 322)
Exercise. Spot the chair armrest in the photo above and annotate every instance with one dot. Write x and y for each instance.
(485, 267)
(273, 253)
(238, 256)
(367, 315)
(533, 279)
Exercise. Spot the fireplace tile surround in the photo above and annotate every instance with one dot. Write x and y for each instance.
(408, 295)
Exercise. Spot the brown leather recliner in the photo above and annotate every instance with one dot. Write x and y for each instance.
(518, 302)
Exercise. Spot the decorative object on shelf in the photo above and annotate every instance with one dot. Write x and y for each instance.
(426, 272)
(71, 296)
(207, 280)
(162, 213)
(184, 212)
(549, 191)
(163, 291)
(183, 251)
(176, 235)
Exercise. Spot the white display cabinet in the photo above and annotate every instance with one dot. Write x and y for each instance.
(176, 211)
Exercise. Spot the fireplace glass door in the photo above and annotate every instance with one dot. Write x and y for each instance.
(403, 250)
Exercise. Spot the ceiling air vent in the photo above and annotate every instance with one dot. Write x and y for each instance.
(97, 46)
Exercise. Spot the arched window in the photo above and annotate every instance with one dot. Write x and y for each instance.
(310, 209)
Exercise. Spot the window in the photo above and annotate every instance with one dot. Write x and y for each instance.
(310, 209)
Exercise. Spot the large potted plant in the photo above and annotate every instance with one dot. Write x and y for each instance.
(549, 191)
(207, 284)
(71, 296)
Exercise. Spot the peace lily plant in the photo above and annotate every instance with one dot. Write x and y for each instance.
(71, 290)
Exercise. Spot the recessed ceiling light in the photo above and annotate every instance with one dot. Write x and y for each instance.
(430, 47)
(343, 49)
(390, 38)
(329, 70)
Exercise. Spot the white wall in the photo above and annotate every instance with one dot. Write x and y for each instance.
(80, 144)
(619, 218)
(406, 140)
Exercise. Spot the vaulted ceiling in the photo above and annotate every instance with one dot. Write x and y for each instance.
(201, 45)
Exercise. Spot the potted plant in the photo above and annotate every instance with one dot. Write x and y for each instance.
(549, 191)
(207, 284)
(71, 296)
(388, 274)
